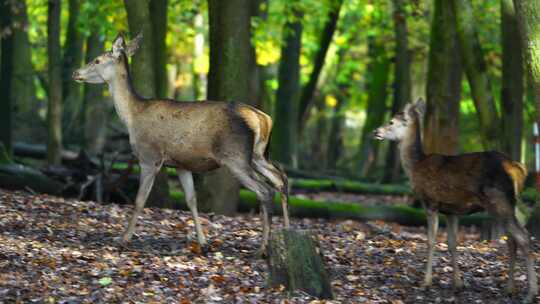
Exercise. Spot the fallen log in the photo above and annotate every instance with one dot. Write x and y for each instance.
(295, 261)
(306, 208)
(39, 151)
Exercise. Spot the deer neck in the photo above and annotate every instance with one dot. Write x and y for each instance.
(126, 100)
(410, 147)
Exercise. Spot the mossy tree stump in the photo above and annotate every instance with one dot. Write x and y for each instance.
(295, 261)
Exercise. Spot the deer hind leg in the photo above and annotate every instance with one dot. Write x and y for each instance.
(452, 231)
(265, 194)
(500, 205)
(186, 179)
(278, 179)
(512, 252)
(148, 174)
(433, 226)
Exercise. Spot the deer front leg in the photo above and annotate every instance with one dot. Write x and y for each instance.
(433, 226)
(148, 174)
(186, 179)
(452, 231)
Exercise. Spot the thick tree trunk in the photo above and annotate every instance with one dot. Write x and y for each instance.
(72, 91)
(158, 13)
(402, 82)
(144, 79)
(377, 87)
(528, 16)
(230, 34)
(54, 107)
(284, 136)
(96, 108)
(444, 83)
(6, 75)
(296, 262)
(23, 73)
(476, 69)
(512, 81)
(306, 98)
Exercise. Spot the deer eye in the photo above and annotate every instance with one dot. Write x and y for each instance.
(391, 122)
(96, 61)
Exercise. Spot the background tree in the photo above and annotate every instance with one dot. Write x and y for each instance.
(512, 81)
(6, 74)
(55, 108)
(284, 136)
(144, 71)
(477, 74)
(402, 82)
(72, 59)
(443, 93)
(230, 35)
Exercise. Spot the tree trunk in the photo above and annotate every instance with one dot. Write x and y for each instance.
(230, 34)
(335, 139)
(475, 67)
(144, 79)
(444, 83)
(96, 108)
(284, 137)
(402, 83)
(512, 81)
(71, 90)
(528, 16)
(158, 11)
(23, 73)
(377, 86)
(199, 76)
(296, 262)
(54, 106)
(6, 76)
(306, 98)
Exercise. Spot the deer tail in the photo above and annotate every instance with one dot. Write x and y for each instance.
(518, 173)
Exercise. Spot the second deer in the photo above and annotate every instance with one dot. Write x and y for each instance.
(191, 136)
(458, 185)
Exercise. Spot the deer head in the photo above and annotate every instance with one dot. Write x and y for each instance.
(397, 127)
(103, 67)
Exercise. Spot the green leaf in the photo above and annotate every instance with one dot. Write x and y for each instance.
(105, 281)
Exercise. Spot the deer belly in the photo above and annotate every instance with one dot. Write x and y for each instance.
(194, 164)
(452, 201)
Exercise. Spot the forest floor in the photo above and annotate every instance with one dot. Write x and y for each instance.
(54, 250)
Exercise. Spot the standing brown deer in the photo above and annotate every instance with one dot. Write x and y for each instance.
(458, 185)
(191, 136)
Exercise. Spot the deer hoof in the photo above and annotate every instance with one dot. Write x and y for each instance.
(262, 253)
(510, 289)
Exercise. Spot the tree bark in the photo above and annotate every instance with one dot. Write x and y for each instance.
(144, 79)
(306, 98)
(6, 75)
(402, 83)
(512, 81)
(23, 73)
(158, 11)
(444, 83)
(94, 104)
(296, 262)
(335, 138)
(475, 67)
(54, 106)
(284, 137)
(71, 90)
(230, 34)
(377, 86)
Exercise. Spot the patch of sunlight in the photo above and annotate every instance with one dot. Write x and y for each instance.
(330, 101)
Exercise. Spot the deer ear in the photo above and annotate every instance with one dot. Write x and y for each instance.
(118, 45)
(408, 110)
(420, 107)
(134, 44)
